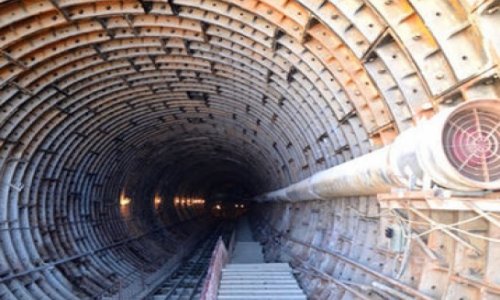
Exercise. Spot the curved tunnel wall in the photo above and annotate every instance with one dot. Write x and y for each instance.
(100, 98)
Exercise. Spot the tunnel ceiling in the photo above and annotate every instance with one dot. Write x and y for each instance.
(289, 87)
(92, 92)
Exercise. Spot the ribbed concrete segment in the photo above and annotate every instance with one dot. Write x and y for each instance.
(249, 277)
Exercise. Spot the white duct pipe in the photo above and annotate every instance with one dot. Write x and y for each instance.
(416, 154)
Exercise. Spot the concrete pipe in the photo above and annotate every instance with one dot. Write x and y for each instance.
(458, 149)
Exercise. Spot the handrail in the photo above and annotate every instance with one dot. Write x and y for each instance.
(217, 262)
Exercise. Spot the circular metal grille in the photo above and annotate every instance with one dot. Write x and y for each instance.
(471, 140)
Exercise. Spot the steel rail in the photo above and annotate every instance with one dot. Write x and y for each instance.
(201, 253)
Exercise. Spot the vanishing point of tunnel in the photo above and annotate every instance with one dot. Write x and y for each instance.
(250, 149)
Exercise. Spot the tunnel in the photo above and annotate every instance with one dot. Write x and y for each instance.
(360, 137)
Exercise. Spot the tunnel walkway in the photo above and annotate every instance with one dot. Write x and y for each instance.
(247, 276)
(247, 250)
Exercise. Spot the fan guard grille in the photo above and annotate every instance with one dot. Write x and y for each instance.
(471, 140)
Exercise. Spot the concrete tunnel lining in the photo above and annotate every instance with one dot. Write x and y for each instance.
(145, 97)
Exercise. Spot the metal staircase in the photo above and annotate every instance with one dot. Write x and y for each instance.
(247, 276)
(259, 281)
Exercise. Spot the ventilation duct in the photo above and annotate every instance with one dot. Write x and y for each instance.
(457, 149)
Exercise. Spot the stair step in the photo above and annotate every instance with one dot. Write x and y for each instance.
(255, 272)
(270, 265)
(265, 281)
(252, 267)
(258, 278)
(262, 292)
(262, 297)
(258, 286)
(229, 267)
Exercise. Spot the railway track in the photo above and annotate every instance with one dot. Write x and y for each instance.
(187, 281)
